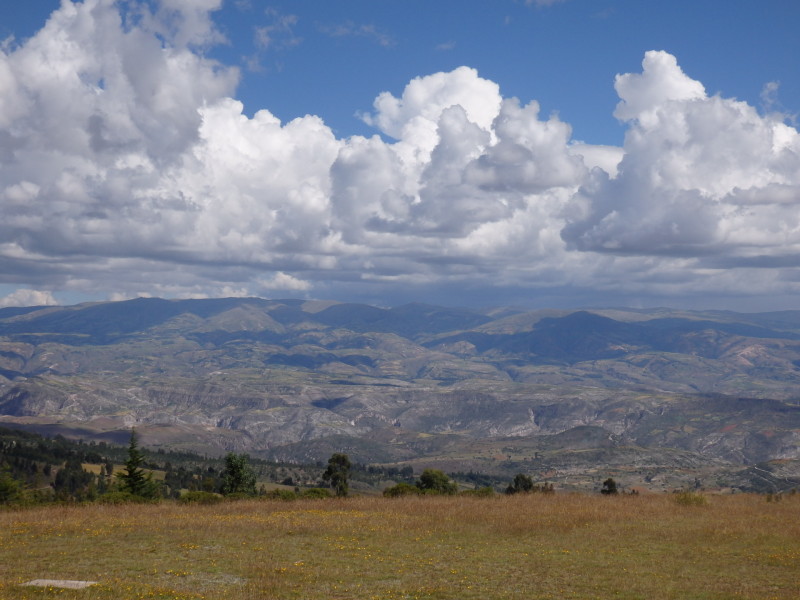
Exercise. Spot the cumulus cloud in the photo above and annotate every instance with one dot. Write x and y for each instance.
(414, 116)
(284, 282)
(94, 110)
(128, 168)
(607, 158)
(28, 298)
(701, 175)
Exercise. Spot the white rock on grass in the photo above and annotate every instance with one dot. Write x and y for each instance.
(60, 583)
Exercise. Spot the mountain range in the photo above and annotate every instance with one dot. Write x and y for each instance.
(659, 398)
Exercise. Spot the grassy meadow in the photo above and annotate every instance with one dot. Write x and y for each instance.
(515, 547)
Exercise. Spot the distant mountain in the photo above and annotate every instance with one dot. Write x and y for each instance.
(295, 379)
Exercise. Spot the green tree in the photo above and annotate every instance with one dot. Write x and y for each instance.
(521, 484)
(433, 481)
(338, 473)
(315, 493)
(401, 489)
(133, 479)
(72, 481)
(238, 477)
(10, 488)
(609, 487)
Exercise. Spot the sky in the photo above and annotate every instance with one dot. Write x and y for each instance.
(540, 153)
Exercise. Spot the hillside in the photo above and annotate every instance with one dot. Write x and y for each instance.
(652, 395)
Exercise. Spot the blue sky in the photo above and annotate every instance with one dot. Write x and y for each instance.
(564, 55)
(593, 152)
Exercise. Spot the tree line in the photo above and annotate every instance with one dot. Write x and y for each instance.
(35, 469)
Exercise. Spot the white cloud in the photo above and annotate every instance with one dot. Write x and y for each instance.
(415, 115)
(662, 81)
(700, 176)
(187, 23)
(28, 298)
(283, 281)
(606, 158)
(95, 112)
(126, 165)
(279, 32)
(350, 29)
(529, 155)
(118, 296)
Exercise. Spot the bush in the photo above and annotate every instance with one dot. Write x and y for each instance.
(10, 488)
(315, 493)
(522, 484)
(238, 496)
(200, 498)
(279, 494)
(433, 481)
(119, 497)
(609, 487)
(400, 490)
(690, 499)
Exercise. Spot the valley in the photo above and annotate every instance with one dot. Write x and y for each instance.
(657, 398)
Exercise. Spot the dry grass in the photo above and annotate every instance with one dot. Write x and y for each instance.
(560, 546)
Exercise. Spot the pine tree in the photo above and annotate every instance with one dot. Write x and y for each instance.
(133, 478)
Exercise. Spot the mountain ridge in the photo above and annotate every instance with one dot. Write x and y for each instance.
(276, 377)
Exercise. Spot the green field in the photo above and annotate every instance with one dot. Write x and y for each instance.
(534, 546)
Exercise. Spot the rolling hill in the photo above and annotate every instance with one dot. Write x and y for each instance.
(652, 395)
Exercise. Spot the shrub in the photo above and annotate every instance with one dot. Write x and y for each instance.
(433, 481)
(400, 490)
(315, 493)
(238, 496)
(199, 497)
(685, 498)
(521, 484)
(609, 487)
(123, 497)
(279, 494)
(10, 488)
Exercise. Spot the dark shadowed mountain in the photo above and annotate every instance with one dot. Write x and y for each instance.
(706, 391)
